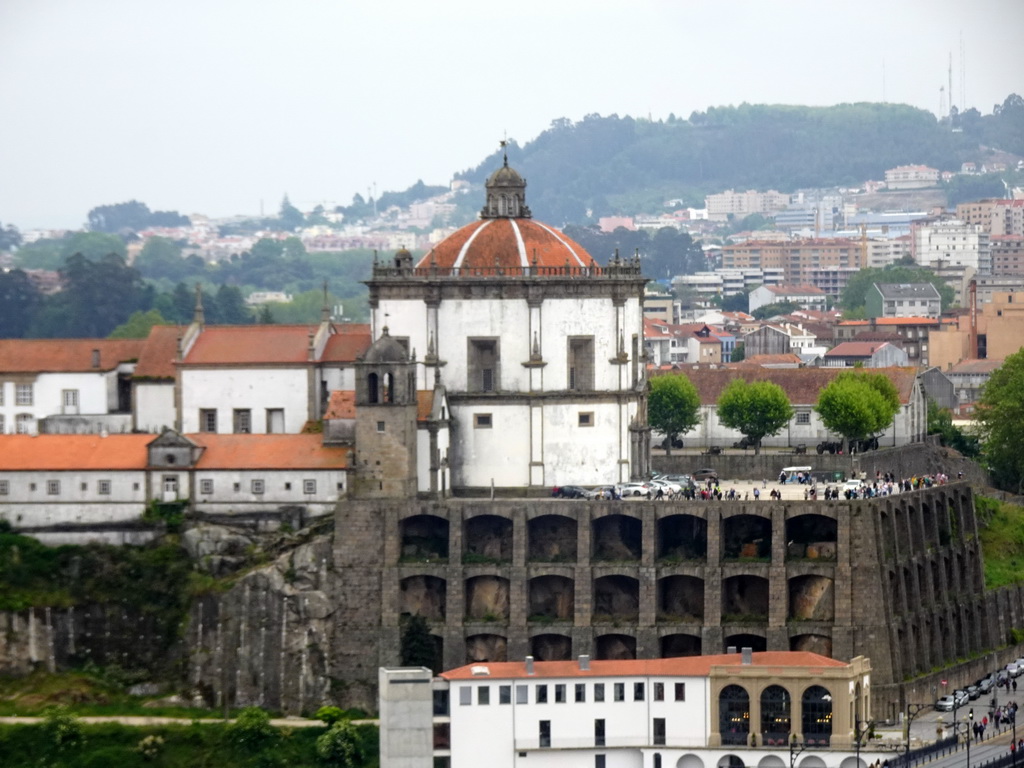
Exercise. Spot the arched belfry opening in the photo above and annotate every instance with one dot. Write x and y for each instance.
(506, 194)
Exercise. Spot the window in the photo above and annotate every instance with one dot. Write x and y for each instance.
(680, 691)
(581, 691)
(600, 762)
(465, 696)
(586, 418)
(542, 694)
(5, 487)
(599, 733)
(84, 486)
(659, 691)
(23, 423)
(659, 731)
(598, 691)
(522, 694)
(69, 398)
(483, 695)
(238, 487)
(242, 421)
(638, 691)
(275, 420)
(53, 487)
(287, 486)
(504, 694)
(560, 694)
(1, 393)
(206, 486)
(207, 419)
(482, 420)
(544, 729)
(23, 394)
(620, 691)
(257, 486)
(581, 363)
(103, 487)
(31, 486)
(803, 417)
(135, 486)
(309, 486)
(3, 429)
(483, 365)
(380, 426)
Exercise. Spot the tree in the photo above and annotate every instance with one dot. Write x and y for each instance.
(10, 237)
(1000, 415)
(855, 294)
(940, 422)
(93, 246)
(757, 409)
(19, 300)
(739, 353)
(340, 745)
(100, 295)
(771, 310)
(131, 217)
(231, 308)
(161, 258)
(673, 406)
(252, 730)
(290, 217)
(858, 405)
(417, 646)
(138, 325)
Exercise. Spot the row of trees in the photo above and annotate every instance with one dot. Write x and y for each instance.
(856, 405)
(665, 254)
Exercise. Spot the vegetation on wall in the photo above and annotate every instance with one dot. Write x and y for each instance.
(1002, 541)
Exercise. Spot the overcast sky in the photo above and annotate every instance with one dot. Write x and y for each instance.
(219, 107)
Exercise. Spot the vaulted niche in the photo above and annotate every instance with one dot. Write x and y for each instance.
(744, 600)
(487, 598)
(617, 538)
(811, 598)
(487, 539)
(746, 537)
(486, 648)
(551, 599)
(820, 644)
(615, 647)
(681, 598)
(682, 538)
(424, 538)
(756, 643)
(680, 645)
(551, 539)
(811, 537)
(551, 647)
(616, 598)
(423, 596)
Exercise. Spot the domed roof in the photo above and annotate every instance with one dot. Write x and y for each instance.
(506, 177)
(386, 349)
(507, 243)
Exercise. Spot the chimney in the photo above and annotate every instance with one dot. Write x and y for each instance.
(95, 358)
(529, 665)
(731, 649)
(748, 656)
(584, 662)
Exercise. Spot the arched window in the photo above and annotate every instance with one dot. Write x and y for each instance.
(389, 388)
(817, 716)
(503, 205)
(775, 716)
(372, 393)
(734, 714)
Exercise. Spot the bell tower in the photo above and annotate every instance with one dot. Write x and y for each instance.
(386, 411)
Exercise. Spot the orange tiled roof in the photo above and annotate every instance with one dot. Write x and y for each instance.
(348, 343)
(268, 452)
(66, 355)
(856, 348)
(341, 404)
(424, 404)
(507, 243)
(777, 359)
(251, 344)
(681, 666)
(74, 452)
(906, 321)
(159, 353)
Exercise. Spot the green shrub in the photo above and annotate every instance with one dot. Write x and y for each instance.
(340, 746)
(330, 715)
(252, 730)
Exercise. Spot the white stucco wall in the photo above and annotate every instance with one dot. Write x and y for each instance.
(24, 507)
(257, 389)
(154, 406)
(225, 499)
(47, 396)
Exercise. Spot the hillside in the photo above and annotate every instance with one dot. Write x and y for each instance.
(606, 165)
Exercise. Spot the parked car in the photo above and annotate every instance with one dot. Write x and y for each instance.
(986, 684)
(683, 480)
(946, 703)
(961, 697)
(973, 692)
(599, 492)
(700, 475)
(633, 489)
(569, 492)
(667, 486)
(1014, 669)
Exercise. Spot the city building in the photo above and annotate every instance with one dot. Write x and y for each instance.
(969, 378)
(997, 217)
(903, 300)
(798, 259)
(718, 710)
(911, 177)
(994, 331)
(1007, 254)
(728, 204)
(915, 333)
(805, 296)
(865, 354)
(939, 243)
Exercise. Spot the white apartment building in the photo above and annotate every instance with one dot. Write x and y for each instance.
(740, 204)
(885, 251)
(911, 177)
(939, 244)
(695, 711)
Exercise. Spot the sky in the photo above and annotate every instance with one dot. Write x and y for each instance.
(222, 107)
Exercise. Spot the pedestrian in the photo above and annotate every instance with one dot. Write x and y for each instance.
(757, 494)
(1014, 686)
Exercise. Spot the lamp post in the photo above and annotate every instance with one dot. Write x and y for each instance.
(966, 726)
(913, 710)
(796, 748)
(859, 731)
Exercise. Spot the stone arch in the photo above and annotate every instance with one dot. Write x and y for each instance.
(676, 645)
(744, 599)
(730, 761)
(423, 596)
(615, 647)
(373, 388)
(776, 716)
(681, 598)
(617, 598)
(617, 538)
(811, 598)
(816, 720)
(819, 644)
(486, 648)
(853, 762)
(689, 760)
(487, 539)
(757, 643)
(682, 537)
(811, 537)
(747, 537)
(551, 598)
(771, 761)
(734, 716)
(424, 538)
(551, 647)
(812, 761)
(551, 539)
(487, 598)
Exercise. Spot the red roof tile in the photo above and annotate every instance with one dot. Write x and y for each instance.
(159, 353)
(74, 452)
(507, 243)
(268, 452)
(856, 349)
(681, 666)
(66, 355)
(906, 321)
(251, 344)
(341, 404)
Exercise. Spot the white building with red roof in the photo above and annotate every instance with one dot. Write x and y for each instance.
(537, 346)
(695, 711)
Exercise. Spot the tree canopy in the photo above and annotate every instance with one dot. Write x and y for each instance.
(854, 296)
(857, 405)
(131, 217)
(1000, 415)
(673, 406)
(757, 409)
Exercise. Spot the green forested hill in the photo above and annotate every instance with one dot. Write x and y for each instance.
(607, 165)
